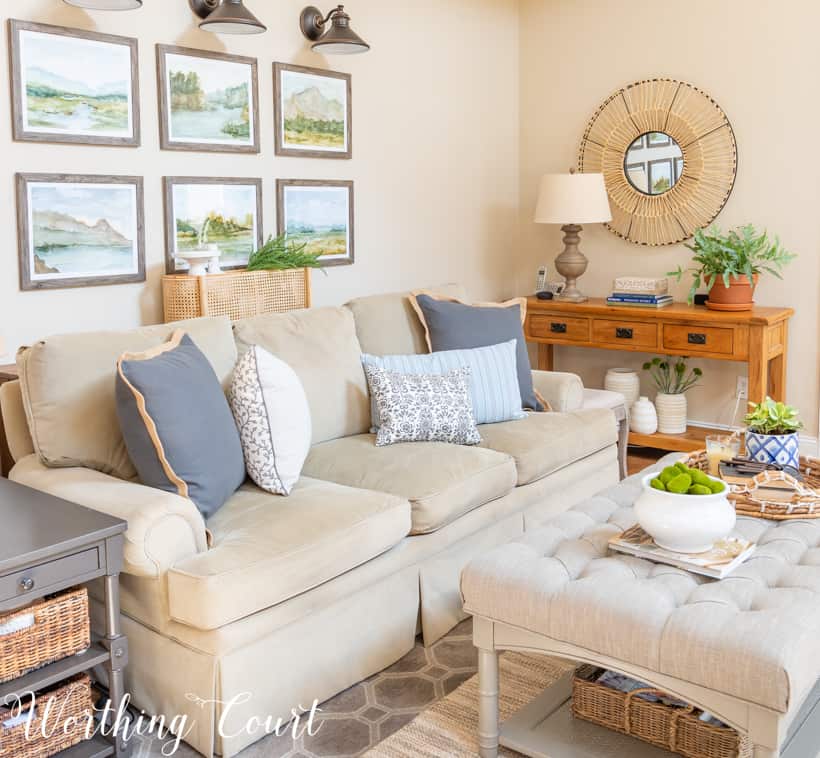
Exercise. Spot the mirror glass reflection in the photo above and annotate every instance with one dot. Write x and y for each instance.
(653, 163)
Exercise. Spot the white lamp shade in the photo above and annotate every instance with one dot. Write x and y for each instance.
(572, 199)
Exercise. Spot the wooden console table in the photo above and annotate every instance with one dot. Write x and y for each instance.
(758, 338)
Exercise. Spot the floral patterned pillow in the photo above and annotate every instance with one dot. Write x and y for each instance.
(423, 407)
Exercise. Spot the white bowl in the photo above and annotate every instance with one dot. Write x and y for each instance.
(684, 523)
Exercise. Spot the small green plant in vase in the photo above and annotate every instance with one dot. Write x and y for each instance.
(772, 433)
(672, 378)
(730, 264)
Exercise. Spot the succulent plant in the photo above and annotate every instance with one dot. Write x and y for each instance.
(772, 417)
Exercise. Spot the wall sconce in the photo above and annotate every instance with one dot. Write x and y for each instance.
(106, 5)
(227, 17)
(340, 39)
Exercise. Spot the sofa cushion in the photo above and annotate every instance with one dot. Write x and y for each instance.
(321, 346)
(68, 389)
(388, 325)
(441, 481)
(543, 443)
(267, 549)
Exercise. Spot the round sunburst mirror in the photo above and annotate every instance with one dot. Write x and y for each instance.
(669, 158)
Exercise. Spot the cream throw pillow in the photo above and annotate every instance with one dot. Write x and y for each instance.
(273, 416)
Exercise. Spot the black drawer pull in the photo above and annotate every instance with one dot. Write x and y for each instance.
(695, 338)
(26, 584)
(558, 328)
(622, 333)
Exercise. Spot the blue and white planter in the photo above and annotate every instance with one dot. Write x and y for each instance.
(782, 449)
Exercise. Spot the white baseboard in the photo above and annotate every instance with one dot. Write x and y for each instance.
(808, 445)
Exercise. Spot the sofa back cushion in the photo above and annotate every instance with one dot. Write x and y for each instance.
(388, 325)
(321, 346)
(68, 383)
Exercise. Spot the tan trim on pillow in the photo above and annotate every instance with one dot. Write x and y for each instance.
(520, 301)
(541, 399)
(150, 425)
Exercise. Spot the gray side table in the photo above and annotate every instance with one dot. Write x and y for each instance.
(47, 545)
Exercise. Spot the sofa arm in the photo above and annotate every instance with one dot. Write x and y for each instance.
(162, 528)
(564, 392)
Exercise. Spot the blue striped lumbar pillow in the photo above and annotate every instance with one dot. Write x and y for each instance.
(494, 387)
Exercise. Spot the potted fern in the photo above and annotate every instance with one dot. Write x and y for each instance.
(280, 254)
(772, 433)
(672, 378)
(730, 265)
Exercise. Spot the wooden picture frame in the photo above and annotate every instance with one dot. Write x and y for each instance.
(339, 85)
(317, 238)
(170, 183)
(105, 105)
(215, 144)
(76, 235)
(655, 172)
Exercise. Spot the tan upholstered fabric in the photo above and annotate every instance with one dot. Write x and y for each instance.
(754, 635)
(267, 548)
(14, 421)
(564, 392)
(441, 481)
(68, 389)
(162, 528)
(388, 324)
(543, 443)
(321, 346)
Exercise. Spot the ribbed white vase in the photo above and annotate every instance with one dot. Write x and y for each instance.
(643, 419)
(625, 381)
(671, 413)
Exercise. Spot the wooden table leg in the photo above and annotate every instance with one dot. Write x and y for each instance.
(545, 357)
(758, 365)
(488, 703)
(117, 646)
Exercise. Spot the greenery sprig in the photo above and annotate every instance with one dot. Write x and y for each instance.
(672, 378)
(278, 254)
(770, 417)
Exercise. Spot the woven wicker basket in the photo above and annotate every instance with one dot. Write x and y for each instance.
(61, 628)
(675, 729)
(65, 724)
(236, 294)
(805, 504)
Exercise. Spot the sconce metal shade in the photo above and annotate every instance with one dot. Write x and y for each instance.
(339, 39)
(228, 17)
(106, 5)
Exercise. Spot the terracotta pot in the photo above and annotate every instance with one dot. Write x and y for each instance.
(738, 296)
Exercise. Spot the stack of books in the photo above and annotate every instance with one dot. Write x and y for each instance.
(640, 292)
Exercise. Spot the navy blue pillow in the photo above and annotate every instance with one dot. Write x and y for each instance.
(456, 326)
(177, 424)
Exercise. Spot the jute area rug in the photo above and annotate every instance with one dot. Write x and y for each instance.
(448, 729)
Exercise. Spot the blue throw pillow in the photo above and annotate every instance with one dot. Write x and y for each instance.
(493, 378)
(177, 424)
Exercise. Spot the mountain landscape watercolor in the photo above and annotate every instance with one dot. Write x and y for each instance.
(210, 100)
(314, 111)
(75, 86)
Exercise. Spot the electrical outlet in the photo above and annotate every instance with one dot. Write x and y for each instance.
(742, 388)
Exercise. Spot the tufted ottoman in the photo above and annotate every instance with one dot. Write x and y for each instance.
(746, 649)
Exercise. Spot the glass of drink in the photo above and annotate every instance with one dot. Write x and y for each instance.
(721, 447)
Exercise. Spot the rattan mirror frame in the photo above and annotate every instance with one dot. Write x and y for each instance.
(698, 124)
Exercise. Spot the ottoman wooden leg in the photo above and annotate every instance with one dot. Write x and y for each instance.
(488, 703)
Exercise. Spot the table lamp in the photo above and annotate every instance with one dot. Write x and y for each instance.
(571, 200)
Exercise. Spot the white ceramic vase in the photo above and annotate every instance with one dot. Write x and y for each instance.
(643, 418)
(671, 413)
(625, 381)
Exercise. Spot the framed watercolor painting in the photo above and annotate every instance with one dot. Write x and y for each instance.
(313, 112)
(79, 231)
(222, 212)
(319, 214)
(207, 101)
(73, 86)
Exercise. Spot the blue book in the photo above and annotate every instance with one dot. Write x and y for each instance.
(619, 298)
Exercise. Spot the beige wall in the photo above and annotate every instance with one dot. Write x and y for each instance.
(759, 60)
(435, 151)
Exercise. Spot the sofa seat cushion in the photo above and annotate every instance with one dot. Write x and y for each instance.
(544, 443)
(441, 481)
(267, 549)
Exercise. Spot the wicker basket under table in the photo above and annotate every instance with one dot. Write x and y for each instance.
(236, 294)
(803, 505)
(678, 730)
(61, 628)
(65, 726)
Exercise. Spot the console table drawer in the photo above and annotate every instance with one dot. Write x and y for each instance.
(560, 328)
(698, 339)
(626, 334)
(36, 580)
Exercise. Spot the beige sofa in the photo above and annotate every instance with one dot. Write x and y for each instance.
(295, 599)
